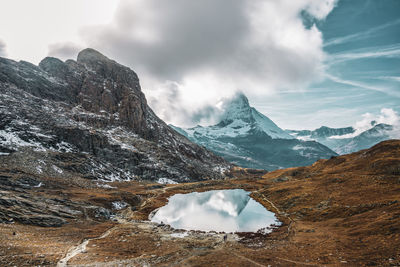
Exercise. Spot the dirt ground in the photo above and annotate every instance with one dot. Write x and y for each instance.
(344, 211)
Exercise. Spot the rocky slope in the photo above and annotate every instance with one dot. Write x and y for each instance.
(249, 139)
(339, 212)
(344, 140)
(89, 118)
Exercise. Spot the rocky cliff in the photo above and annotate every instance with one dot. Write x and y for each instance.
(89, 118)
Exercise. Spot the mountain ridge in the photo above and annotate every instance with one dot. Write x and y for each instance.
(344, 140)
(95, 109)
(250, 139)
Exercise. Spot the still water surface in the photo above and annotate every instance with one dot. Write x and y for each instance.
(217, 210)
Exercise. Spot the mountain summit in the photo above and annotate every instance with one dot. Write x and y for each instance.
(238, 114)
(250, 139)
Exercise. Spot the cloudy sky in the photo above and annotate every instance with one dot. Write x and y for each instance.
(303, 63)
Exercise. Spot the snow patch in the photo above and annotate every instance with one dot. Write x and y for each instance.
(119, 205)
(179, 235)
(166, 181)
(12, 140)
(39, 169)
(107, 186)
(65, 147)
(119, 136)
(39, 185)
(56, 169)
(305, 138)
(220, 169)
(299, 147)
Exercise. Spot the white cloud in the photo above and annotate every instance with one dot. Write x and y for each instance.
(64, 51)
(28, 27)
(390, 51)
(390, 78)
(205, 50)
(3, 52)
(320, 8)
(378, 88)
(361, 35)
(200, 50)
(386, 116)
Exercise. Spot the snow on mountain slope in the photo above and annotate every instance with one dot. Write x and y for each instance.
(344, 140)
(268, 126)
(366, 139)
(322, 132)
(239, 119)
(249, 139)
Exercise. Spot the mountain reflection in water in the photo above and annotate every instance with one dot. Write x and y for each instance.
(217, 210)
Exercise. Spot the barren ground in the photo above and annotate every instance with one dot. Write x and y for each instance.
(339, 212)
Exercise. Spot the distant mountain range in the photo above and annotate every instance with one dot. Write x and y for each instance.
(345, 140)
(249, 139)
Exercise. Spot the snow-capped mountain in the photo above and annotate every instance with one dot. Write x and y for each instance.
(366, 139)
(320, 133)
(89, 118)
(250, 139)
(239, 118)
(346, 140)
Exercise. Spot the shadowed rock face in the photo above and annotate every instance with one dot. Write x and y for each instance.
(98, 83)
(90, 118)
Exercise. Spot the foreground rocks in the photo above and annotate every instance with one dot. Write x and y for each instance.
(339, 212)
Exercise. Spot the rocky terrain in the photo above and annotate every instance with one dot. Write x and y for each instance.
(250, 139)
(342, 211)
(89, 118)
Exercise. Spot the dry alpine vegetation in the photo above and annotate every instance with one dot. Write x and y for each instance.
(344, 211)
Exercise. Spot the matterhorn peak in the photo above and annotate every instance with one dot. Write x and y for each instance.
(236, 108)
(237, 113)
(240, 99)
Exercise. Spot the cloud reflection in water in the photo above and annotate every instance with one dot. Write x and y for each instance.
(217, 210)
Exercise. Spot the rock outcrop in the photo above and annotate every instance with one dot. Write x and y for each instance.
(90, 118)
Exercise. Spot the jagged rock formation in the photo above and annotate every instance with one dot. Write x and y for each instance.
(249, 139)
(89, 118)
